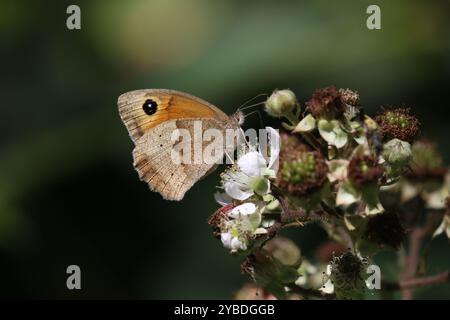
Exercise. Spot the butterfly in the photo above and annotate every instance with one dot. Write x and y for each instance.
(151, 116)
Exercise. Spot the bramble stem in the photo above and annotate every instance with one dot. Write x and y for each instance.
(412, 260)
(412, 283)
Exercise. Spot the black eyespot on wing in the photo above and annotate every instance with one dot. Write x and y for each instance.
(150, 107)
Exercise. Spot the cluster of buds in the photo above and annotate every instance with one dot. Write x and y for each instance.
(335, 163)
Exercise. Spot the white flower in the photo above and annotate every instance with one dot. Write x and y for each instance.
(244, 223)
(252, 171)
(231, 242)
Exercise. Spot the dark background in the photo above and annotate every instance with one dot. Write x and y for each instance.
(68, 191)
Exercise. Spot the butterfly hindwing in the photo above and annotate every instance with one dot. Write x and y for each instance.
(155, 165)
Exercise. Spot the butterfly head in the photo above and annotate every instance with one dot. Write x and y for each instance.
(238, 117)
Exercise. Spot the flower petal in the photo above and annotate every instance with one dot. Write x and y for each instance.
(307, 124)
(348, 224)
(440, 229)
(436, 199)
(235, 192)
(408, 192)
(328, 287)
(222, 198)
(346, 195)
(374, 209)
(326, 131)
(338, 169)
(251, 163)
(274, 140)
(260, 231)
(225, 237)
(243, 209)
(360, 139)
(341, 138)
(236, 244)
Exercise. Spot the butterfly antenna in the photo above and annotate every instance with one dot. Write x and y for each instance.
(242, 106)
(228, 156)
(253, 105)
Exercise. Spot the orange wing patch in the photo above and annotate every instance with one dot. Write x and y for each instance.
(169, 105)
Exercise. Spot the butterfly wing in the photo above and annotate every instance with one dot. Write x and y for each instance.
(152, 135)
(155, 165)
(170, 104)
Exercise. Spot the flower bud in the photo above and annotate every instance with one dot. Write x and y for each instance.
(397, 152)
(284, 250)
(281, 103)
(269, 272)
(348, 274)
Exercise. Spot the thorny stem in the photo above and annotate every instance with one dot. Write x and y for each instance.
(412, 283)
(289, 216)
(412, 259)
(293, 217)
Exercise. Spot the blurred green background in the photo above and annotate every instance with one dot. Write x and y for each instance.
(68, 191)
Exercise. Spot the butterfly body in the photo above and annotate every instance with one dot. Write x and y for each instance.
(151, 116)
